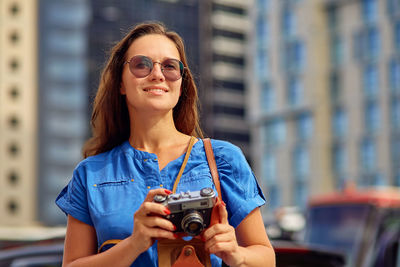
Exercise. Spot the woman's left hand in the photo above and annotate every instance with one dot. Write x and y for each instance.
(220, 239)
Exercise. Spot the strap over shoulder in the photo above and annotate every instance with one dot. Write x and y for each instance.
(212, 165)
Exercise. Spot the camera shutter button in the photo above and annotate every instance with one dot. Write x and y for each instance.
(159, 198)
(206, 192)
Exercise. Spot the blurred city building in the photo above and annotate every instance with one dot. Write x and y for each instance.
(325, 104)
(51, 58)
(18, 111)
(43, 107)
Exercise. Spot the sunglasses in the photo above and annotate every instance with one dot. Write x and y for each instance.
(142, 66)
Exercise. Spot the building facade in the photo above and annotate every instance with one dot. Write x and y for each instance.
(327, 86)
(18, 111)
(43, 105)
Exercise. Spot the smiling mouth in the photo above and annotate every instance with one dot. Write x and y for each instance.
(156, 90)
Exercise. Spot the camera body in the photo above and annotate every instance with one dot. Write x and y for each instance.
(190, 211)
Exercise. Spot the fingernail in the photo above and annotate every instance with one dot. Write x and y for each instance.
(176, 236)
(174, 228)
(167, 211)
(203, 239)
(167, 191)
(223, 203)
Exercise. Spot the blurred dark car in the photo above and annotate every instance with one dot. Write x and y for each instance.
(293, 254)
(31, 246)
(363, 224)
(33, 255)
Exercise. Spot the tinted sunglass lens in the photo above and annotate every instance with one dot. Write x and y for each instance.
(172, 69)
(140, 66)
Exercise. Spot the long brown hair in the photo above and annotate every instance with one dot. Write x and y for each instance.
(110, 117)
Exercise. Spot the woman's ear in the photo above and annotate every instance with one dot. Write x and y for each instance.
(122, 89)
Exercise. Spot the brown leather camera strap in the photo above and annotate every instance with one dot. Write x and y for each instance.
(212, 165)
(185, 160)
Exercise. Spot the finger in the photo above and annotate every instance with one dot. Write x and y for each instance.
(220, 247)
(160, 233)
(215, 230)
(159, 222)
(223, 213)
(158, 191)
(151, 208)
(157, 233)
(222, 238)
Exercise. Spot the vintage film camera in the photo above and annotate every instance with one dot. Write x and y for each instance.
(190, 211)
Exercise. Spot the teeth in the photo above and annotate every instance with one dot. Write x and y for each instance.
(154, 90)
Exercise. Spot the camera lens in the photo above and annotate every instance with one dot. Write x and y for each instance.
(192, 223)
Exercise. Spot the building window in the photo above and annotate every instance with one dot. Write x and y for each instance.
(395, 152)
(262, 63)
(336, 51)
(339, 158)
(373, 42)
(304, 125)
(367, 155)
(295, 91)
(369, 10)
(339, 123)
(395, 114)
(397, 35)
(301, 162)
(294, 56)
(274, 194)
(288, 22)
(262, 30)
(367, 44)
(13, 178)
(371, 81)
(263, 5)
(301, 194)
(275, 132)
(14, 9)
(269, 169)
(373, 179)
(394, 76)
(268, 98)
(334, 86)
(14, 92)
(332, 17)
(12, 207)
(397, 177)
(372, 116)
(14, 37)
(393, 7)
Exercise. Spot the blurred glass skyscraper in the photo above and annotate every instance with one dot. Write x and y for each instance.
(326, 96)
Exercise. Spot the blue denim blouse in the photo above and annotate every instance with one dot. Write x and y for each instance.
(107, 189)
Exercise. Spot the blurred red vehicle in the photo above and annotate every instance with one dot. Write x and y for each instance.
(363, 224)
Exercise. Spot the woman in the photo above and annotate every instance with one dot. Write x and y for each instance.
(144, 116)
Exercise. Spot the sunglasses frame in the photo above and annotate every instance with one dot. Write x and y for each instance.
(181, 67)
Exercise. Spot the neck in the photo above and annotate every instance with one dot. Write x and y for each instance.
(151, 132)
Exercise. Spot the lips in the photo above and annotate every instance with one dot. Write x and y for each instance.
(155, 89)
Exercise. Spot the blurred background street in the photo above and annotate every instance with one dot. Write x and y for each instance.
(308, 89)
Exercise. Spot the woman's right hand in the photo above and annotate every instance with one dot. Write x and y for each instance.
(148, 222)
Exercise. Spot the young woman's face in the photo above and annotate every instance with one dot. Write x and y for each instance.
(152, 93)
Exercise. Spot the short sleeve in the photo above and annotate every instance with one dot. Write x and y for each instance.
(73, 198)
(239, 186)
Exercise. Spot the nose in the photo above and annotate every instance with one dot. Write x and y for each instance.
(156, 72)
